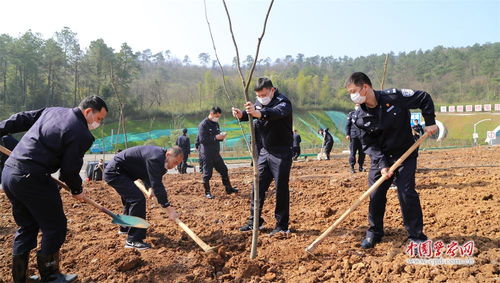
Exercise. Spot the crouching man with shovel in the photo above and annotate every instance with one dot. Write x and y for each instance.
(149, 164)
(386, 133)
(56, 138)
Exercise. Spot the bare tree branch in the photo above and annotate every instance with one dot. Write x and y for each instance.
(385, 71)
(256, 218)
(235, 47)
(224, 77)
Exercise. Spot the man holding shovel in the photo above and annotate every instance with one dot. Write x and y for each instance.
(149, 164)
(56, 138)
(386, 135)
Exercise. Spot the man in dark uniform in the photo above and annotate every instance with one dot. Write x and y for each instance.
(210, 138)
(273, 125)
(56, 138)
(184, 143)
(327, 141)
(146, 163)
(197, 146)
(296, 145)
(417, 129)
(353, 134)
(386, 136)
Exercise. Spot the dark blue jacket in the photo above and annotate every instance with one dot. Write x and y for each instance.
(386, 128)
(207, 130)
(56, 138)
(350, 128)
(296, 140)
(147, 163)
(9, 143)
(328, 139)
(274, 128)
(183, 143)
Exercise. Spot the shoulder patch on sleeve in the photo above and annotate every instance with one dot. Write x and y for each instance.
(407, 92)
(390, 90)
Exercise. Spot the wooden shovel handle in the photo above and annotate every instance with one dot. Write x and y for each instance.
(382, 179)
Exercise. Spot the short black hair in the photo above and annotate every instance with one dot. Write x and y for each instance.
(415, 120)
(216, 110)
(358, 79)
(184, 130)
(94, 102)
(263, 83)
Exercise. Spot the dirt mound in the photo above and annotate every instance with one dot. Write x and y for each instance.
(458, 192)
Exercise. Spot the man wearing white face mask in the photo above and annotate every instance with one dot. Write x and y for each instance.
(210, 136)
(56, 138)
(272, 114)
(386, 135)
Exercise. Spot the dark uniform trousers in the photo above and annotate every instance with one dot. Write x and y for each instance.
(182, 167)
(296, 152)
(274, 166)
(404, 178)
(133, 200)
(328, 149)
(356, 146)
(210, 163)
(36, 205)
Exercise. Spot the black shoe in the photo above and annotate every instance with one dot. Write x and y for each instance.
(48, 265)
(139, 245)
(352, 170)
(209, 196)
(231, 190)
(361, 169)
(249, 227)
(369, 243)
(279, 230)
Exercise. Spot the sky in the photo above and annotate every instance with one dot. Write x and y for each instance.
(335, 28)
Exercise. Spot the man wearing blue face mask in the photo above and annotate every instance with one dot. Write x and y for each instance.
(56, 138)
(387, 135)
(209, 137)
(273, 126)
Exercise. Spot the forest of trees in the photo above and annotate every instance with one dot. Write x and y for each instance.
(37, 72)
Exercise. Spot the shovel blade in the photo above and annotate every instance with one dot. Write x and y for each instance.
(131, 221)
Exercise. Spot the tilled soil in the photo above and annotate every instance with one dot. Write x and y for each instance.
(459, 193)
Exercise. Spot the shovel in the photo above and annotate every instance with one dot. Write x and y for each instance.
(123, 220)
(206, 248)
(382, 179)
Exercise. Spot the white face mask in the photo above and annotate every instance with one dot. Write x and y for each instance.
(94, 125)
(264, 100)
(215, 119)
(357, 98)
(356, 107)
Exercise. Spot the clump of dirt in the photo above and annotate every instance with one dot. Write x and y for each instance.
(127, 260)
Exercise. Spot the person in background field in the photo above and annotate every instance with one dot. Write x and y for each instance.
(148, 164)
(327, 141)
(417, 129)
(353, 134)
(56, 139)
(273, 119)
(296, 145)
(386, 136)
(210, 137)
(184, 143)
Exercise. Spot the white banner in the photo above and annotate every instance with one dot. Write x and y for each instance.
(451, 108)
(468, 108)
(487, 107)
(497, 107)
(491, 135)
(478, 108)
(443, 109)
(460, 108)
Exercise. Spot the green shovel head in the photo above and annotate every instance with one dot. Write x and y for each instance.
(132, 221)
